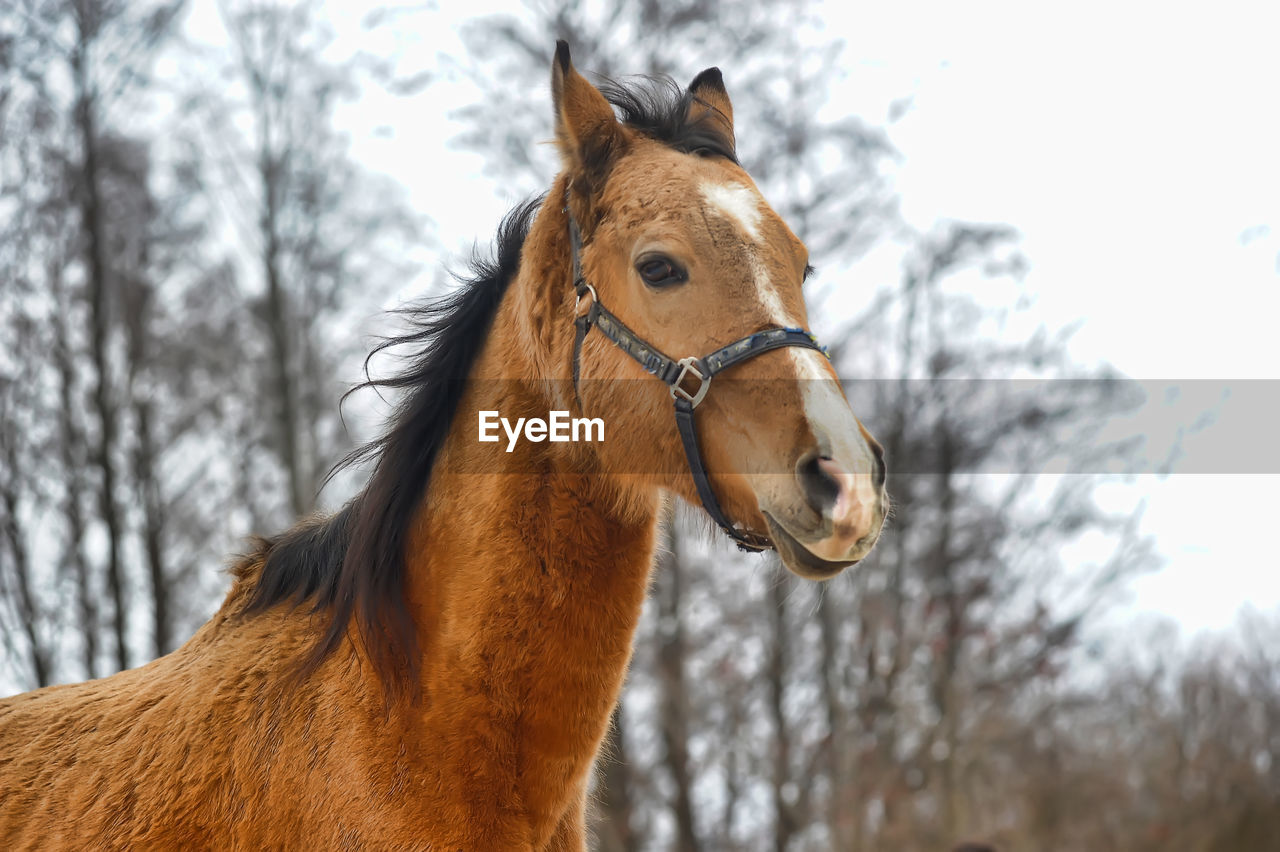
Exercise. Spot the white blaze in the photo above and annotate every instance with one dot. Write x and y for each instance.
(769, 297)
(740, 204)
(737, 202)
(824, 405)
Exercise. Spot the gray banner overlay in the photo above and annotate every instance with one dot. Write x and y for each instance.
(938, 426)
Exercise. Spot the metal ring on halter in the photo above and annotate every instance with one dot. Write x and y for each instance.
(689, 367)
(584, 288)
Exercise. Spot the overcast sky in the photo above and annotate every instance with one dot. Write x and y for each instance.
(1137, 148)
(1133, 145)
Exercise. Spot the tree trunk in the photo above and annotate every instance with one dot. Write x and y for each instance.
(840, 816)
(145, 461)
(71, 438)
(944, 686)
(28, 611)
(614, 794)
(99, 318)
(278, 318)
(153, 524)
(675, 697)
(785, 826)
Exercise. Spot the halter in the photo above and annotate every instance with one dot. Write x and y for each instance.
(688, 379)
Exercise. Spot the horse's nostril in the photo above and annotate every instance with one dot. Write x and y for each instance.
(821, 489)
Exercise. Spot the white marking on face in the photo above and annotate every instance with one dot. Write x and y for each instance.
(824, 404)
(737, 202)
(769, 298)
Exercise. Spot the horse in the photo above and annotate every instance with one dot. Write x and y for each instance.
(434, 665)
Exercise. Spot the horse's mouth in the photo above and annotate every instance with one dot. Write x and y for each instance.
(798, 559)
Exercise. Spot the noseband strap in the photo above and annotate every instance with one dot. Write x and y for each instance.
(688, 379)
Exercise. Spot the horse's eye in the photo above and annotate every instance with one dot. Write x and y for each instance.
(660, 271)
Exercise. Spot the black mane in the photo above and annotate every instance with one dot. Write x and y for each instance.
(664, 110)
(352, 563)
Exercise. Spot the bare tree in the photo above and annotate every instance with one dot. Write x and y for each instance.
(612, 825)
(72, 456)
(19, 579)
(675, 712)
(320, 227)
(104, 47)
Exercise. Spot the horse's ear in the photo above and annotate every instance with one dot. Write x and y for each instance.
(711, 102)
(588, 133)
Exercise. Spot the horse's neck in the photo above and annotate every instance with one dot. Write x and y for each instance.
(527, 584)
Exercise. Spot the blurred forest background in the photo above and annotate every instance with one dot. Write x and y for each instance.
(189, 250)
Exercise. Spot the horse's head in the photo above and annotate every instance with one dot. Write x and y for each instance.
(680, 246)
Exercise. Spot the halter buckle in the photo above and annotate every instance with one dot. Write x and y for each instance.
(689, 367)
(583, 289)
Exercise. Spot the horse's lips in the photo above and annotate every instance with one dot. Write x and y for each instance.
(797, 557)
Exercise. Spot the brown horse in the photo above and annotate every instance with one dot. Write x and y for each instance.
(434, 666)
